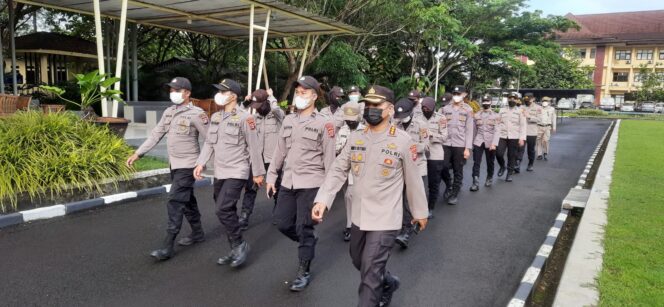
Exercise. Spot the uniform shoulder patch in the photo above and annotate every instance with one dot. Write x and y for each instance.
(413, 152)
(251, 122)
(204, 118)
(330, 129)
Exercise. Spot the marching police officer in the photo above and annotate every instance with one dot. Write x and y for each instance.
(383, 159)
(416, 97)
(459, 142)
(305, 151)
(546, 125)
(353, 122)
(533, 114)
(510, 135)
(485, 126)
(233, 140)
(269, 117)
(419, 132)
(444, 100)
(435, 156)
(335, 98)
(183, 122)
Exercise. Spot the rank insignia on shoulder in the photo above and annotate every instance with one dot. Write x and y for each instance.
(393, 130)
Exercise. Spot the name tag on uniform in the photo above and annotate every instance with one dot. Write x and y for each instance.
(462, 118)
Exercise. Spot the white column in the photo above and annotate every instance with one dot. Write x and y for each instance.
(119, 54)
(250, 70)
(100, 52)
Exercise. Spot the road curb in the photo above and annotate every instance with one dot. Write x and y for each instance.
(534, 272)
(78, 206)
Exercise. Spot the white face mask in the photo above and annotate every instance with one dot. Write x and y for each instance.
(457, 98)
(354, 98)
(221, 99)
(403, 120)
(176, 97)
(545, 103)
(300, 102)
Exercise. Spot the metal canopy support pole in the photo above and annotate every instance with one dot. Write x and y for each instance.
(2, 68)
(250, 71)
(119, 55)
(261, 62)
(304, 55)
(134, 62)
(127, 68)
(100, 52)
(435, 95)
(12, 46)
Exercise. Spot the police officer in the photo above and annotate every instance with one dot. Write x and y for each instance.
(269, 117)
(533, 114)
(485, 126)
(510, 135)
(183, 122)
(459, 142)
(437, 125)
(546, 125)
(416, 97)
(305, 151)
(388, 162)
(419, 132)
(335, 98)
(354, 95)
(353, 122)
(233, 140)
(444, 100)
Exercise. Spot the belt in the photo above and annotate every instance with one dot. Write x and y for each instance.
(544, 125)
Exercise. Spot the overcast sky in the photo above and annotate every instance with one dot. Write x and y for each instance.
(578, 7)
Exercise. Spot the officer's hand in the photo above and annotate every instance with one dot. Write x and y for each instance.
(466, 153)
(421, 222)
(132, 159)
(197, 172)
(270, 188)
(269, 92)
(247, 98)
(521, 143)
(317, 212)
(258, 180)
(492, 147)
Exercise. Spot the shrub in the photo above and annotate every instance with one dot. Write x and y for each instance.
(590, 112)
(52, 153)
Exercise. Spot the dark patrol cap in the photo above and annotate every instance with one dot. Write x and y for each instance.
(459, 89)
(377, 94)
(429, 103)
(179, 83)
(403, 108)
(486, 99)
(258, 97)
(229, 85)
(446, 98)
(336, 92)
(414, 95)
(308, 82)
(529, 94)
(353, 88)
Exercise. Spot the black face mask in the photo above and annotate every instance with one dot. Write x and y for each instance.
(511, 103)
(352, 124)
(486, 106)
(528, 102)
(264, 109)
(373, 116)
(427, 114)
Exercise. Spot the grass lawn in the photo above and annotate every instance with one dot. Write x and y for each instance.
(633, 268)
(147, 163)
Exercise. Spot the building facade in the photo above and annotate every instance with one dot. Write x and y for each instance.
(617, 46)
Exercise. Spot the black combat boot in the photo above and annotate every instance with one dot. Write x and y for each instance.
(303, 277)
(476, 184)
(489, 182)
(404, 237)
(546, 158)
(244, 220)
(517, 168)
(390, 285)
(166, 252)
(530, 167)
(239, 252)
(346, 234)
(454, 197)
(501, 171)
(508, 178)
(539, 157)
(196, 236)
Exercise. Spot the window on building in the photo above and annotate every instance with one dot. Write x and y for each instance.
(620, 76)
(623, 55)
(592, 53)
(661, 54)
(582, 53)
(619, 99)
(644, 54)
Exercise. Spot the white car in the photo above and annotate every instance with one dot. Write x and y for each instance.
(659, 107)
(627, 107)
(564, 104)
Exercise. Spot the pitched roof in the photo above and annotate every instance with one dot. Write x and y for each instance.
(624, 27)
(55, 41)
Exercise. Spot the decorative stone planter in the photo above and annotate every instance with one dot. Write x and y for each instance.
(117, 125)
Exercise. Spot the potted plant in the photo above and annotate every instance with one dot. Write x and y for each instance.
(90, 85)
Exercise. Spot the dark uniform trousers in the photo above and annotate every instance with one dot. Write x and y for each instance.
(370, 251)
(251, 190)
(478, 151)
(407, 216)
(226, 194)
(435, 173)
(182, 202)
(453, 159)
(293, 219)
(512, 146)
(530, 144)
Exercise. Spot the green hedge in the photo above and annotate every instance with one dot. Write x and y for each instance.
(46, 154)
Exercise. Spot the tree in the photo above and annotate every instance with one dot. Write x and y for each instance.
(551, 70)
(652, 84)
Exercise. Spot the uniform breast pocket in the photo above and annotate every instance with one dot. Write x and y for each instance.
(182, 126)
(287, 134)
(213, 134)
(231, 135)
(514, 118)
(387, 167)
(310, 140)
(271, 128)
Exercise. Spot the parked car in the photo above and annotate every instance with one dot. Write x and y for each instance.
(587, 105)
(648, 107)
(627, 107)
(564, 104)
(607, 104)
(659, 107)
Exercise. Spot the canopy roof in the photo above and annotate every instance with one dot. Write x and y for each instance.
(222, 18)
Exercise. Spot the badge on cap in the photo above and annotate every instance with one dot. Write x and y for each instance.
(302, 79)
(372, 90)
(456, 88)
(174, 80)
(411, 93)
(400, 109)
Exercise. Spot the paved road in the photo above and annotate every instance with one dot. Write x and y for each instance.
(473, 254)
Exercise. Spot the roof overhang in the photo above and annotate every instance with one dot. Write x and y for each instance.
(221, 18)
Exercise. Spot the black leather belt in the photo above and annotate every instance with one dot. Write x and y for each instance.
(544, 125)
